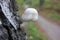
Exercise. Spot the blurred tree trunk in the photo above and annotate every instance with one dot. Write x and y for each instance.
(41, 4)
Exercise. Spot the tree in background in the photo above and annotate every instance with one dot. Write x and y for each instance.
(41, 4)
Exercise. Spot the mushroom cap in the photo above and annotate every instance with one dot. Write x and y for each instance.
(30, 14)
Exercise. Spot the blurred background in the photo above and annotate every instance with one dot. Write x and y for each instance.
(49, 9)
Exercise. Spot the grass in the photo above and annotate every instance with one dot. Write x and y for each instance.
(33, 32)
(53, 15)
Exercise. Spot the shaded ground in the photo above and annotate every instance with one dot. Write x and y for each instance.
(49, 25)
(51, 15)
(51, 29)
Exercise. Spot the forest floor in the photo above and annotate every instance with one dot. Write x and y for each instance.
(49, 22)
(51, 15)
(42, 30)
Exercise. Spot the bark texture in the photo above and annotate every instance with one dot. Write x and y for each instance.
(7, 32)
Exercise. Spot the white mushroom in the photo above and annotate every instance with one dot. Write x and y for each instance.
(30, 14)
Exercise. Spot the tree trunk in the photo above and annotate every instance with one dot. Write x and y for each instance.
(7, 30)
(41, 4)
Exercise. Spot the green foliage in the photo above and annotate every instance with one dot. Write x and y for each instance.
(47, 4)
(52, 4)
(53, 15)
(33, 33)
(20, 3)
(34, 3)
